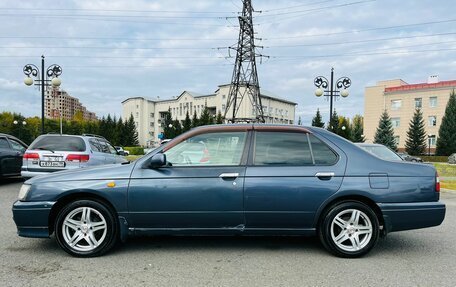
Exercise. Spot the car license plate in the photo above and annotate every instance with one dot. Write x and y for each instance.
(52, 163)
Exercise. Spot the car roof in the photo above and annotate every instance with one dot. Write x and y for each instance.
(12, 137)
(368, 144)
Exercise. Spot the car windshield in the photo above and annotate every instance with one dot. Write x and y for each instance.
(59, 143)
(382, 152)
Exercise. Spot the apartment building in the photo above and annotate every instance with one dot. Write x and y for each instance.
(59, 101)
(401, 99)
(149, 113)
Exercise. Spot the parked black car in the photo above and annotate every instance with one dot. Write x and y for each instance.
(11, 151)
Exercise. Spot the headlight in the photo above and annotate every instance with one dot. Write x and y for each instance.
(23, 192)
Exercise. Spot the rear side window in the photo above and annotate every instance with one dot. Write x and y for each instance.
(4, 143)
(59, 143)
(274, 148)
(322, 154)
(95, 145)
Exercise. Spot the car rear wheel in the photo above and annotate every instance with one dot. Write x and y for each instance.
(349, 229)
(86, 228)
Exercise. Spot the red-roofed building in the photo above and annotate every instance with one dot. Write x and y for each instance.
(401, 99)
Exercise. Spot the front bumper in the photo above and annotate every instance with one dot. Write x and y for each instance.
(32, 218)
(406, 216)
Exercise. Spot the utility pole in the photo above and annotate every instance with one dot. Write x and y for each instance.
(244, 82)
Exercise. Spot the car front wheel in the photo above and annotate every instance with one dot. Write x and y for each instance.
(349, 229)
(86, 228)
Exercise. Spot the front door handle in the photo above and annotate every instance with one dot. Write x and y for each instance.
(324, 175)
(229, 175)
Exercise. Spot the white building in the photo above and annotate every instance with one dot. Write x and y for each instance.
(149, 113)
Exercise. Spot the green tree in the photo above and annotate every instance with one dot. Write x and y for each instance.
(130, 133)
(415, 143)
(333, 124)
(168, 125)
(357, 130)
(177, 127)
(385, 134)
(195, 120)
(446, 142)
(343, 127)
(206, 117)
(317, 120)
(219, 119)
(187, 125)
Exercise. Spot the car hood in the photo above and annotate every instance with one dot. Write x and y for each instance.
(112, 171)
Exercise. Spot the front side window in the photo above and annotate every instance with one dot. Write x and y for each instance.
(211, 149)
(272, 148)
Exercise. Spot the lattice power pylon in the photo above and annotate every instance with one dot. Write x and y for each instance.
(244, 82)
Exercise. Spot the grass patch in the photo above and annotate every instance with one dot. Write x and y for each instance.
(451, 184)
(445, 170)
(132, 157)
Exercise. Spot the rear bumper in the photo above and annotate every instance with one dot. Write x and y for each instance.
(406, 216)
(32, 218)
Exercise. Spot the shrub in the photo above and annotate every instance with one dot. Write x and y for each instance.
(134, 150)
(433, 158)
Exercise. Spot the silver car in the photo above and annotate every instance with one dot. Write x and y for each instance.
(50, 153)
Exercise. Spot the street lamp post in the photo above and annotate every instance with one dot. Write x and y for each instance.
(24, 123)
(334, 90)
(53, 71)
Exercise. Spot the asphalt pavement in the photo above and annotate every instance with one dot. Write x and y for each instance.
(424, 257)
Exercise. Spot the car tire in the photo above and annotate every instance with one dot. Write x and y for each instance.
(86, 228)
(349, 229)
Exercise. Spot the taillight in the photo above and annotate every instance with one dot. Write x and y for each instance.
(437, 182)
(31, 155)
(78, 157)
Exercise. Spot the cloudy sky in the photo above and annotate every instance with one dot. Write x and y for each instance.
(113, 49)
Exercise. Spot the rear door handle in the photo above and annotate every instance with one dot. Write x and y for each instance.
(229, 175)
(324, 175)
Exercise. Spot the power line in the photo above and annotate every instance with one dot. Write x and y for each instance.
(108, 48)
(68, 17)
(117, 10)
(316, 9)
(362, 41)
(287, 58)
(296, 6)
(363, 30)
(114, 38)
(115, 16)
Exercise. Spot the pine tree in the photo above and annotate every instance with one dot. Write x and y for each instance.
(415, 143)
(385, 133)
(206, 117)
(446, 142)
(195, 120)
(187, 125)
(357, 130)
(177, 127)
(219, 119)
(130, 132)
(168, 125)
(333, 124)
(317, 120)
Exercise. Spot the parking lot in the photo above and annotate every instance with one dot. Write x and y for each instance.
(412, 258)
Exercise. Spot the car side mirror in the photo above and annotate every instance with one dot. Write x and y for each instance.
(156, 161)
